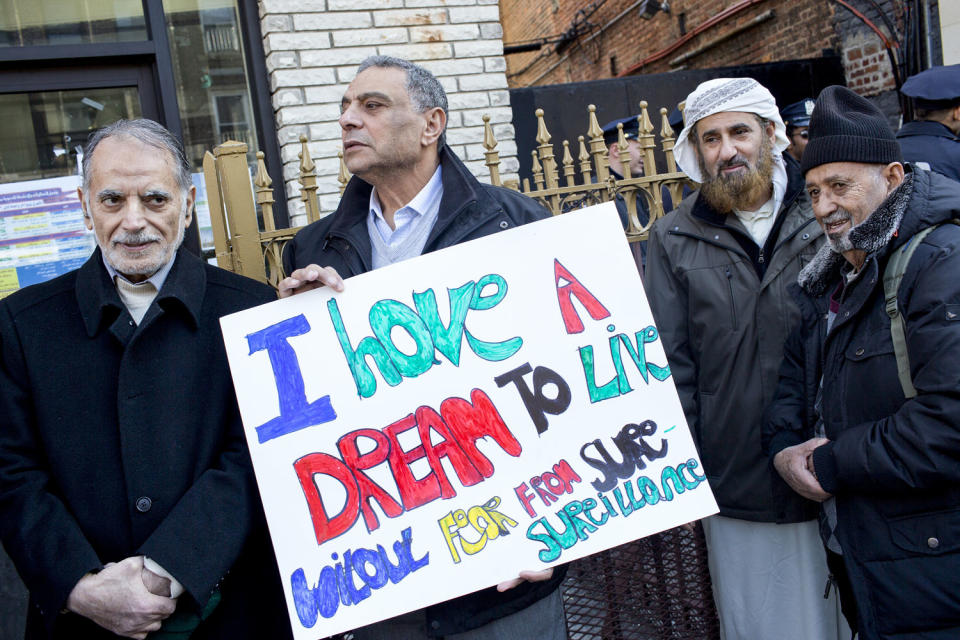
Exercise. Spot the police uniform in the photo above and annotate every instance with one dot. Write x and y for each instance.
(928, 143)
(631, 131)
(795, 116)
(798, 113)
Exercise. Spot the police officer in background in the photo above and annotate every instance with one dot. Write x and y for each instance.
(611, 137)
(797, 118)
(933, 140)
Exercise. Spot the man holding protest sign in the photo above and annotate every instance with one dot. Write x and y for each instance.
(717, 274)
(411, 195)
(126, 490)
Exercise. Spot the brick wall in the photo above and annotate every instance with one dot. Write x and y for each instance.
(865, 60)
(617, 38)
(314, 46)
(867, 65)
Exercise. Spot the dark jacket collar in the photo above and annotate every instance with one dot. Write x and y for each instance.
(100, 303)
(926, 128)
(459, 189)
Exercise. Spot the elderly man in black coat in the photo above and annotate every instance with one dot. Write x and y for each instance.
(866, 418)
(127, 499)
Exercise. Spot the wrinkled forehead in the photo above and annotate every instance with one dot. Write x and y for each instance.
(847, 172)
(725, 120)
(129, 166)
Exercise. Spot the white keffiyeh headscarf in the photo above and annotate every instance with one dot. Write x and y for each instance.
(728, 94)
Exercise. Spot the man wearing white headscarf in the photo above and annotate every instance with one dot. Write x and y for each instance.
(718, 268)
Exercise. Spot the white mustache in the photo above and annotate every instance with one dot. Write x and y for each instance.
(837, 216)
(135, 238)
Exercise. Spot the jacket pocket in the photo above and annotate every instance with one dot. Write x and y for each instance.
(927, 534)
(919, 589)
(733, 298)
(869, 357)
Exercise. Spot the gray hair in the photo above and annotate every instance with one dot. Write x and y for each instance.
(424, 89)
(149, 133)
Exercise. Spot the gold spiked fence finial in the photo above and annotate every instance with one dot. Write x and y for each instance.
(598, 148)
(264, 193)
(491, 155)
(308, 182)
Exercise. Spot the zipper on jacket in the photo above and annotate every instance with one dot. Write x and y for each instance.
(760, 256)
(733, 301)
(831, 582)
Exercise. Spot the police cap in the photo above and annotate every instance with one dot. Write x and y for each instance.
(631, 129)
(937, 87)
(798, 113)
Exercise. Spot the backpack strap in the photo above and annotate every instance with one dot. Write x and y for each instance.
(892, 275)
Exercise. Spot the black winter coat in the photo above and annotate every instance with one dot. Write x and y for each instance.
(468, 210)
(119, 440)
(893, 464)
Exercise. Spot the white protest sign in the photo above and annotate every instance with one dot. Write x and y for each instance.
(451, 420)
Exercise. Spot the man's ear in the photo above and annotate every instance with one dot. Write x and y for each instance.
(87, 220)
(771, 131)
(191, 199)
(436, 123)
(893, 174)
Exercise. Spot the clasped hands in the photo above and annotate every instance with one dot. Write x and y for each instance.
(795, 466)
(125, 598)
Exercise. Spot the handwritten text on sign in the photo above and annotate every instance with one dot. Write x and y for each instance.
(454, 419)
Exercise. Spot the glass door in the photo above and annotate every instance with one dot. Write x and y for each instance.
(42, 234)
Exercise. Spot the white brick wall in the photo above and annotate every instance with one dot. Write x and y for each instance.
(314, 46)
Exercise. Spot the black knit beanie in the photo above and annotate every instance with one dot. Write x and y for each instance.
(846, 127)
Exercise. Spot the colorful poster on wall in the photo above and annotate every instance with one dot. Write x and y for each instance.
(42, 234)
(202, 212)
(451, 420)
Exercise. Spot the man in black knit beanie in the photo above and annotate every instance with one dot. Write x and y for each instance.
(866, 418)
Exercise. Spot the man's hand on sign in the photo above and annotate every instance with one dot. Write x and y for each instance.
(792, 465)
(117, 599)
(310, 277)
(526, 576)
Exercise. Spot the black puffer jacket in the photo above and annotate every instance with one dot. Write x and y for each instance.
(468, 210)
(893, 464)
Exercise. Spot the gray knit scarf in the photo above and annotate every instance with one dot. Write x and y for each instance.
(871, 235)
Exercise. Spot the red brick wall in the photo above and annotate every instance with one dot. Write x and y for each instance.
(796, 29)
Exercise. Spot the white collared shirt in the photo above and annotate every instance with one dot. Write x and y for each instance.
(414, 222)
(759, 223)
(425, 204)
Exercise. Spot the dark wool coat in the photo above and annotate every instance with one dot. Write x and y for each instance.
(723, 312)
(119, 440)
(468, 210)
(893, 464)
